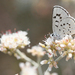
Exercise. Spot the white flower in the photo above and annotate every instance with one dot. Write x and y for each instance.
(13, 41)
(47, 73)
(58, 48)
(49, 41)
(22, 33)
(43, 62)
(16, 74)
(36, 50)
(67, 37)
(54, 74)
(69, 56)
(51, 64)
(50, 53)
(69, 44)
(57, 41)
(42, 45)
(27, 69)
(62, 45)
(50, 67)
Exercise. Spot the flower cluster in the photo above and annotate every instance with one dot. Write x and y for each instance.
(65, 47)
(16, 74)
(9, 42)
(47, 73)
(36, 50)
(27, 69)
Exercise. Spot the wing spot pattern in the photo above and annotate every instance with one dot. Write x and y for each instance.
(59, 29)
(56, 21)
(63, 23)
(58, 14)
(63, 30)
(70, 31)
(56, 25)
(69, 27)
(54, 17)
(60, 17)
(67, 23)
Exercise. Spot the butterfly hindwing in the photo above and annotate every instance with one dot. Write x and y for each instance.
(59, 13)
(66, 27)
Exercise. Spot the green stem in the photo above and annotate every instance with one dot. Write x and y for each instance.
(24, 57)
(59, 58)
(39, 68)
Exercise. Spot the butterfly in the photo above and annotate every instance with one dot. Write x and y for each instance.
(63, 23)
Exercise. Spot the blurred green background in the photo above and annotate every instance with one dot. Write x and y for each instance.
(35, 15)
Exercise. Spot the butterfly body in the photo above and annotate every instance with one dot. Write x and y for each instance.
(63, 23)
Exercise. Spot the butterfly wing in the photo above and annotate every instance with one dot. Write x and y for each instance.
(66, 27)
(59, 13)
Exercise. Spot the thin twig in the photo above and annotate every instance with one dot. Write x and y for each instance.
(24, 57)
(39, 68)
(59, 58)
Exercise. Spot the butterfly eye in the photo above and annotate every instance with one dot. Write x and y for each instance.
(52, 34)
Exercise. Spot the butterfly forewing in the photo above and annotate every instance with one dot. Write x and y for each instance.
(66, 27)
(59, 14)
